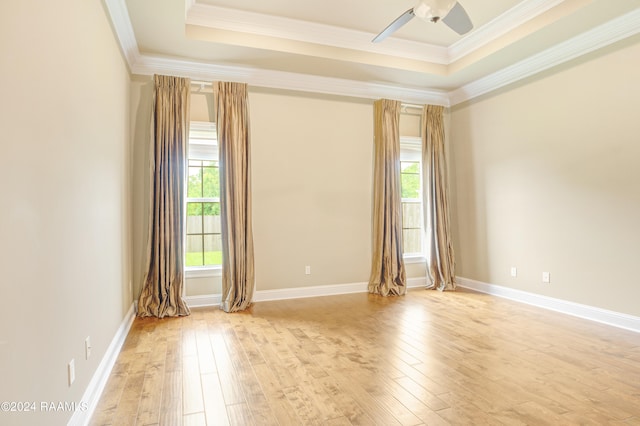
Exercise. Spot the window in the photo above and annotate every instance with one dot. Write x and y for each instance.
(203, 239)
(411, 187)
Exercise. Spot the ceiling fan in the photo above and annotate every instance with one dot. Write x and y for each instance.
(448, 11)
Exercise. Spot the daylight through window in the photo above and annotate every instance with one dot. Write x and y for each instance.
(411, 187)
(203, 239)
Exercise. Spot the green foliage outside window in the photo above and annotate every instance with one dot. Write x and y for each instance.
(203, 214)
(410, 179)
(411, 207)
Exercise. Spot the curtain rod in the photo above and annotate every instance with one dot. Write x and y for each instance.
(403, 105)
(202, 84)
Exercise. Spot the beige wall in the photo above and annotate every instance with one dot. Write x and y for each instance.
(64, 180)
(141, 100)
(312, 169)
(546, 178)
(312, 160)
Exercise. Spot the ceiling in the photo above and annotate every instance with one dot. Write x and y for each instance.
(325, 45)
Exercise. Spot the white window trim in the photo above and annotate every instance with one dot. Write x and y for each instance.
(203, 271)
(410, 258)
(205, 151)
(411, 150)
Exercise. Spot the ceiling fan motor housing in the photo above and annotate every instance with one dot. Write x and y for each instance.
(433, 10)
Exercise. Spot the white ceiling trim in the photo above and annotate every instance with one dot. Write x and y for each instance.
(499, 26)
(148, 65)
(124, 30)
(310, 32)
(603, 35)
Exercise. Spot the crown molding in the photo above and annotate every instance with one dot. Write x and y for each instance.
(188, 4)
(310, 32)
(608, 33)
(124, 30)
(148, 65)
(499, 26)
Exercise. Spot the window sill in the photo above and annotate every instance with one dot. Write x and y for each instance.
(414, 258)
(203, 271)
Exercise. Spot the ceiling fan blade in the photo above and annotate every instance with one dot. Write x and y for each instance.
(458, 20)
(394, 26)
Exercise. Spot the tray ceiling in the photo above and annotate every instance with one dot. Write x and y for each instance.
(326, 45)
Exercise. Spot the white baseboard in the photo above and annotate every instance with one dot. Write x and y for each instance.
(314, 291)
(204, 300)
(99, 380)
(297, 292)
(616, 319)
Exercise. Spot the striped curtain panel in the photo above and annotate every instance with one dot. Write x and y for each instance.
(388, 276)
(161, 294)
(232, 124)
(440, 260)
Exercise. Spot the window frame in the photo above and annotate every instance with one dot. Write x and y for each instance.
(411, 151)
(200, 148)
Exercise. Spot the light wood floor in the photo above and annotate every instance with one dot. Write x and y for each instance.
(426, 358)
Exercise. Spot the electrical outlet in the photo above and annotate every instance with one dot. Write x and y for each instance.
(514, 271)
(546, 277)
(307, 270)
(87, 347)
(71, 371)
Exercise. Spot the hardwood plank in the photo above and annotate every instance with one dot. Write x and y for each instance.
(240, 415)
(340, 421)
(173, 360)
(404, 415)
(194, 419)
(171, 412)
(303, 406)
(150, 400)
(129, 402)
(191, 385)
(248, 345)
(533, 412)
(149, 411)
(214, 407)
(422, 394)
(424, 358)
(254, 397)
(379, 412)
(231, 387)
(280, 406)
(348, 406)
(110, 398)
(206, 360)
